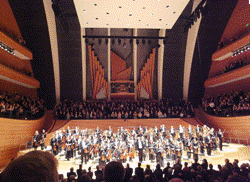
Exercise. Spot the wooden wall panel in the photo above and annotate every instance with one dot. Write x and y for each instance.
(16, 46)
(7, 20)
(218, 66)
(14, 133)
(237, 25)
(12, 74)
(13, 62)
(241, 85)
(235, 127)
(240, 72)
(11, 87)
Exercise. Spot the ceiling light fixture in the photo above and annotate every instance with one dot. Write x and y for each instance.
(196, 15)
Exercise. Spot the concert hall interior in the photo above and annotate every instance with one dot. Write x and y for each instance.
(163, 84)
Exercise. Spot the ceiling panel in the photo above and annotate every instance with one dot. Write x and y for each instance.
(149, 14)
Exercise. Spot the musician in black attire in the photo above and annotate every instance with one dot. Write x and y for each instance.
(84, 152)
(140, 146)
(195, 149)
(42, 139)
(36, 139)
(220, 135)
(53, 143)
(202, 146)
(208, 141)
(68, 148)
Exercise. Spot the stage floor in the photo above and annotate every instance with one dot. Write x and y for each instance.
(230, 151)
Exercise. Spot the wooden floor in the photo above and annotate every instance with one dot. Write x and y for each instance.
(230, 151)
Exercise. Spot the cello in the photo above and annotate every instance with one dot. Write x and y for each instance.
(64, 142)
(109, 154)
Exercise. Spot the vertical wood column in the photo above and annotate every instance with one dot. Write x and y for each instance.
(50, 16)
(135, 62)
(109, 64)
(190, 46)
(84, 74)
(162, 33)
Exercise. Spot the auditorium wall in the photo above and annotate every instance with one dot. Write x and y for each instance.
(14, 135)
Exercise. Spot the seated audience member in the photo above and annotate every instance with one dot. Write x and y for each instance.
(195, 164)
(128, 173)
(90, 173)
(98, 171)
(236, 178)
(79, 171)
(125, 109)
(158, 173)
(35, 166)
(139, 172)
(230, 104)
(148, 171)
(12, 105)
(71, 173)
(114, 172)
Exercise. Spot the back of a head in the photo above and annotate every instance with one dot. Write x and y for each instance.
(35, 166)
(237, 178)
(176, 180)
(114, 172)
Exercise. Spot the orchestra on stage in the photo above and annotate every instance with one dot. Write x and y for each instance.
(154, 144)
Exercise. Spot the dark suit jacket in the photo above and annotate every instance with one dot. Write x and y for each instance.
(128, 174)
(140, 173)
(137, 145)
